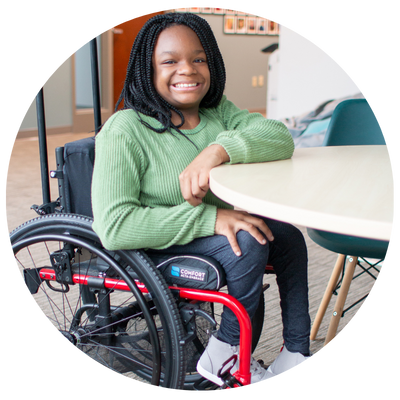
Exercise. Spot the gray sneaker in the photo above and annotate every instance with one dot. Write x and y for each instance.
(258, 373)
(216, 354)
(291, 369)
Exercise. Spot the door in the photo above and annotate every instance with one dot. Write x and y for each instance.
(114, 47)
(124, 36)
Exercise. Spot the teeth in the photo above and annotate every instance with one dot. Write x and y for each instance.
(184, 85)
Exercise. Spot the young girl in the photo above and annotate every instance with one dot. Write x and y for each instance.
(151, 190)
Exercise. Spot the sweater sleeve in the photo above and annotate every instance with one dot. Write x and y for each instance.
(249, 137)
(120, 220)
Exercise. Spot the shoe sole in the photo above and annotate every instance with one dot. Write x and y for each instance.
(209, 376)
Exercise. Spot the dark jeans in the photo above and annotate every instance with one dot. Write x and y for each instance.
(288, 256)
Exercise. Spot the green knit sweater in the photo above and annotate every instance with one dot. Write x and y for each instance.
(136, 197)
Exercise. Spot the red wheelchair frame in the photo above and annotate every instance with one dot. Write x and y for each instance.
(242, 375)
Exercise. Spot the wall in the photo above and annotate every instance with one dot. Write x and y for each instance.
(58, 100)
(319, 61)
(83, 76)
(243, 60)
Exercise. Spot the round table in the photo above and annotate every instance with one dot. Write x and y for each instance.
(343, 189)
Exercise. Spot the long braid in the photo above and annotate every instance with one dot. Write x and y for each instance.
(139, 92)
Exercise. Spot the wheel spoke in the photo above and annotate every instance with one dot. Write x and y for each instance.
(120, 329)
(132, 349)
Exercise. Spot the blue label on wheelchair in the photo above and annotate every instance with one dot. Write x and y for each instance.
(188, 273)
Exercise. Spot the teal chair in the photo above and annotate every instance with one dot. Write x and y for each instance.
(352, 123)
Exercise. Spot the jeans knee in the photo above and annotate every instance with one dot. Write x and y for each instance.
(244, 273)
(251, 248)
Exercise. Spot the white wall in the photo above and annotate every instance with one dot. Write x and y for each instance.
(319, 61)
(83, 75)
(243, 60)
(57, 98)
(272, 89)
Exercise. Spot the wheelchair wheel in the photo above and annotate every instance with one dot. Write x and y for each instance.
(92, 297)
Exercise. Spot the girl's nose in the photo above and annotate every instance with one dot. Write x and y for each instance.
(186, 68)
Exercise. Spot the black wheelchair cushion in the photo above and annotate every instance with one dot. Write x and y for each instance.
(77, 172)
(190, 270)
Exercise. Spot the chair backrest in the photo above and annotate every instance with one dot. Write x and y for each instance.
(77, 175)
(353, 123)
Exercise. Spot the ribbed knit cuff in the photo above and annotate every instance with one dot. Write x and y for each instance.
(233, 146)
(205, 225)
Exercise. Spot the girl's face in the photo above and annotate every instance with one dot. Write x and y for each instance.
(181, 74)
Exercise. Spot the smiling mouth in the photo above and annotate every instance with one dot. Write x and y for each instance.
(185, 85)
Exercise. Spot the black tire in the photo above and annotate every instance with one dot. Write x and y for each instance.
(137, 335)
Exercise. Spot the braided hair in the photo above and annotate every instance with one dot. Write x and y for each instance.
(139, 92)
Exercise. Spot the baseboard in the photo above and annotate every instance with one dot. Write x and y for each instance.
(27, 133)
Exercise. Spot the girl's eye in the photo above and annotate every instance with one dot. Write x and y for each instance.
(170, 62)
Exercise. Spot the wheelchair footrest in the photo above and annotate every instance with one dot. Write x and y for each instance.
(224, 373)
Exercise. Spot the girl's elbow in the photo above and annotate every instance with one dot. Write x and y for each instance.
(105, 235)
(108, 242)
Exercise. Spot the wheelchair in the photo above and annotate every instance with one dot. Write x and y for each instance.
(142, 320)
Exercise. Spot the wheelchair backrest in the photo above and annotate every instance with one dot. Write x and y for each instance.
(77, 176)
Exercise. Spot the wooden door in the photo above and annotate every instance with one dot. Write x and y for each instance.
(124, 36)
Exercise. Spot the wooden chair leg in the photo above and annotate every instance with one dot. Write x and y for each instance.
(338, 309)
(334, 279)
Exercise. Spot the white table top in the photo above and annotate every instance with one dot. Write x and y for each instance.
(342, 189)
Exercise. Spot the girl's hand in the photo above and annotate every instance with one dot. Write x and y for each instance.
(229, 222)
(194, 180)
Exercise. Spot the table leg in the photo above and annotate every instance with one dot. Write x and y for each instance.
(334, 279)
(338, 309)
